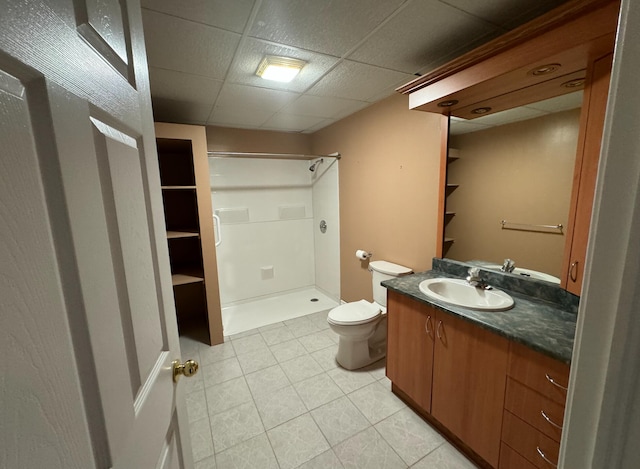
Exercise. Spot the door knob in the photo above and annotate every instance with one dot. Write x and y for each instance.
(188, 369)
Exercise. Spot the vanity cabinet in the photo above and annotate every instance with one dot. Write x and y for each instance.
(502, 401)
(452, 370)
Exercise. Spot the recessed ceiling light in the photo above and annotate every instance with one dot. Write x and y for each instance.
(481, 110)
(283, 69)
(577, 83)
(544, 69)
(451, 102)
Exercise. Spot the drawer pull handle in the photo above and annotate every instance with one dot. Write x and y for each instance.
(426, 325)
(544, 456)
(438, 330)
(573, 271)
(552, 381)
(546, 417)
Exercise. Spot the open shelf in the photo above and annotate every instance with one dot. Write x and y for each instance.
(182, 234)
(183, 279)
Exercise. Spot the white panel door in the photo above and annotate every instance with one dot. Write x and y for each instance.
(87, 323)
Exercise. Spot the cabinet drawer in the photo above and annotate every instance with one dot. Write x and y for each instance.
(529, 405)
(529, 442)
(509, 459)
(544, 374)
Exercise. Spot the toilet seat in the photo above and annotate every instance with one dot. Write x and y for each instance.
(352, 314)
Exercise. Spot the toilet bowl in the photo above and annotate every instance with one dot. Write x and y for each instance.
(362, 325)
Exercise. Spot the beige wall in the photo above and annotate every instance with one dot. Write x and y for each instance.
(520, 172)
(388, 188)
(228, 139)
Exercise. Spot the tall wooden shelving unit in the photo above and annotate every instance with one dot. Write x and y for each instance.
(184, 176)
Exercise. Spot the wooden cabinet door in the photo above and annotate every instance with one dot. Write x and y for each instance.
(586, 170)
(410, 347)
(469, 379)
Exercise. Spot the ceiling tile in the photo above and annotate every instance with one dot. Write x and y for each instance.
(317, 106)
(541, 7)
(252, 53)
(251, 97)
(225, 14)
(178, 86)
(182, 45)
(560, 103)
(320, 125)
(236, 116)
(420, 34)
(290, 122)
(169, 110)
(326, 26)
(501, 12)
(357, 81)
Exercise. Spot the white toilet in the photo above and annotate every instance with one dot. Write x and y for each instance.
(362, 326)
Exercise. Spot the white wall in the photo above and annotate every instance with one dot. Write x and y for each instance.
(327, 245)
(266, 212)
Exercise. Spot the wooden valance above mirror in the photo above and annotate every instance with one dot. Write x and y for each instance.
(541, 59)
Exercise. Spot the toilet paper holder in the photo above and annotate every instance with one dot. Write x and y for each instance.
(363, 255)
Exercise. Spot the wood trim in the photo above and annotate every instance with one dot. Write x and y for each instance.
(556, 18)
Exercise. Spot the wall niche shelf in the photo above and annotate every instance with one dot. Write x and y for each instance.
(182, 234)
(184, 179)
(452, 156)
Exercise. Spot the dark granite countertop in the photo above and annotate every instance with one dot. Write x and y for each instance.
(544, 326)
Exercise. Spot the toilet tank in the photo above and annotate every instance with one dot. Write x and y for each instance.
(383, 270)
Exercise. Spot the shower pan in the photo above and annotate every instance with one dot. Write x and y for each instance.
(274, 263)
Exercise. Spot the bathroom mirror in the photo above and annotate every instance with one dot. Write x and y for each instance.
(509, 183)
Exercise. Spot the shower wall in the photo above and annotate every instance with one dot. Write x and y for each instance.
(267, 228)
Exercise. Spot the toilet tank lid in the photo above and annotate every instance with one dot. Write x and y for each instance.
(389, 268)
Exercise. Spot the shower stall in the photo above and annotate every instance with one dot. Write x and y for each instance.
(277, 236)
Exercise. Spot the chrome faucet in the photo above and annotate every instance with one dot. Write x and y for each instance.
(474, 279)
(508, 266)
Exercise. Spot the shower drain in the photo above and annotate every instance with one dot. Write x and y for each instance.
(314, 299)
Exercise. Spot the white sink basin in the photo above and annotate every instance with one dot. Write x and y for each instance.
(525, 273)
(458, 292)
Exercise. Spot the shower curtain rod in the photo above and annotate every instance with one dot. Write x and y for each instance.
(283, 156)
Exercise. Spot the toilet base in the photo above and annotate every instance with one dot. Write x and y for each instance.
(353, 355)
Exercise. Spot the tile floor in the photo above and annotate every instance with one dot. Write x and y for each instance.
(274, 397)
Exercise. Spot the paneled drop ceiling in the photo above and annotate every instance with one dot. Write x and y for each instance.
(203, 54)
